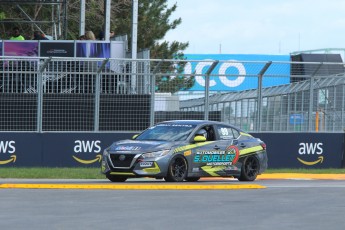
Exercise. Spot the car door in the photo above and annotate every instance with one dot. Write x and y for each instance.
(210, 156)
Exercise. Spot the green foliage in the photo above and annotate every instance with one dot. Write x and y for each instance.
(2, 15)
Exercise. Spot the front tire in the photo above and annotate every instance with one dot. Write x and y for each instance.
(250, 169)
(113, 178)
(177, 170)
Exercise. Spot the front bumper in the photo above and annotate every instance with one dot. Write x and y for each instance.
(150, 167)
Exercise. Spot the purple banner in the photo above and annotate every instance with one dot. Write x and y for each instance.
(21, 48)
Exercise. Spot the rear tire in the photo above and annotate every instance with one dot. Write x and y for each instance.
(250, 169)
(113, 178)
(177, 170)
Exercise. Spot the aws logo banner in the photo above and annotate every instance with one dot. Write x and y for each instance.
(314, 150)
(304, 150)
(20, 149)
(241, 71)
(8, 152)
(311, 153)
(87, 151)
(77, 149)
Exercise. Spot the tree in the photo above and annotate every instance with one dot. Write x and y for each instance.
(153, 24)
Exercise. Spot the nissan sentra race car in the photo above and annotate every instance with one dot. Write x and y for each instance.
(186, 150)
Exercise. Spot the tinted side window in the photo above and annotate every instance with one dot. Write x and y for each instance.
(225, 133)
(236, 133)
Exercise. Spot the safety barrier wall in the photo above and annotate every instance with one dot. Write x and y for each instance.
(285, 150)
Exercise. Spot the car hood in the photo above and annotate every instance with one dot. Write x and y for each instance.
(141, 146)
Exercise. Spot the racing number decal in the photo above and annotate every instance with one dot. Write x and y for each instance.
(224, 131)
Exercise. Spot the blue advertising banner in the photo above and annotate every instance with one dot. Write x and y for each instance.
(285, 150)
(20, 149)
(93, 49)
(303, 150)
(77, 149)
(242, 70)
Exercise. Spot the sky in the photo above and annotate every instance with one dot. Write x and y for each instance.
(258, 26)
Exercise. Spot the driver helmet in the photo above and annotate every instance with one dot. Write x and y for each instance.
(202, 132)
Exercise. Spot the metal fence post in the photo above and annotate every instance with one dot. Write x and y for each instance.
(311, 97)
(40, 95)
(260, 76)
(153, 92)
(97, 95)
(207, 87)
(152, 109)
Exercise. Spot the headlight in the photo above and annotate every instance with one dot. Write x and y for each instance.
(156, 154)
(105, 154)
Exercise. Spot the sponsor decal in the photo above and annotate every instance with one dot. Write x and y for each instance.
(127, 148)
(231, 73)
(174, 125)
(154, 170)
(87, 147)
(309, 150)
(8, 148)
(218, 157)
(145, 164)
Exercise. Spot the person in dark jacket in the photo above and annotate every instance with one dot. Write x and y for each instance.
(39, 36)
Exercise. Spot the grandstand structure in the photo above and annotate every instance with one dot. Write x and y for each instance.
(57, 24)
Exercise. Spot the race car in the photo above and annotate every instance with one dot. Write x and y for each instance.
(186, 150)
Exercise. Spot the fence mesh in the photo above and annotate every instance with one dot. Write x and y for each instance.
(95, 95)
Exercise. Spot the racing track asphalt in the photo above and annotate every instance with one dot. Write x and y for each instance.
(289, 201)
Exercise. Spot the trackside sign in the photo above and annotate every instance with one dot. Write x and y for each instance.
(241, 71)
(285, 150)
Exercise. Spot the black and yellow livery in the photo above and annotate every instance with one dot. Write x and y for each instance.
(186, 150)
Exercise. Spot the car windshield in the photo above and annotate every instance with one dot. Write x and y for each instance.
(167, 132)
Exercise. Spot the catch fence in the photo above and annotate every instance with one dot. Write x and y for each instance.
(116, 95)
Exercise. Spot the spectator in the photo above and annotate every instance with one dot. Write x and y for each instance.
(82, 37)
(101, 35)
(16, 34)
(39, 36)
(112, 34)
(89, 35)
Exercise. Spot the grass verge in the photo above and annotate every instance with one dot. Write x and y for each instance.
(94, 172)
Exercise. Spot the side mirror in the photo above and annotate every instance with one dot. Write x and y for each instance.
(135, 136)
(199, 139)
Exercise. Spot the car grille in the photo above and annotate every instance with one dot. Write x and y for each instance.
(122, 160)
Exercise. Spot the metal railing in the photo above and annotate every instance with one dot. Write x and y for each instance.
(102, 95)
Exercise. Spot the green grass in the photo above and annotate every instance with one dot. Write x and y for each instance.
(51, 173)
(94, 173)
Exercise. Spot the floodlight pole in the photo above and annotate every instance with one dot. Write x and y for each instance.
(82, 18)
(134, 44)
